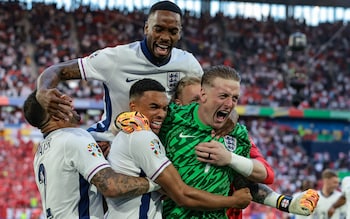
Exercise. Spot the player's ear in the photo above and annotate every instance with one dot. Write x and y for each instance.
(132, 106)
(145, 29)
(178, 102)
(202, 95)
(180, 33)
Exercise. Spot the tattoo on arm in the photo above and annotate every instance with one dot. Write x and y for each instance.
(259, 191)
(60, 72)
(112, 184)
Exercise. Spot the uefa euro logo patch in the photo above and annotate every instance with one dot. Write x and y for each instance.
(155, 146)
(95, 150)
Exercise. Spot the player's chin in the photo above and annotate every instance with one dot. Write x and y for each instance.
(161, 55)
(218, 125)
(155, 130)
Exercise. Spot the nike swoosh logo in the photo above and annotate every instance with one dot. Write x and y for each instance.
(186, 136)
(131, 80)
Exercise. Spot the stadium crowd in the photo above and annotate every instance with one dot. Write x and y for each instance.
(33, 40)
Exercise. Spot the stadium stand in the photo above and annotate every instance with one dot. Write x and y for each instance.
(31, 40)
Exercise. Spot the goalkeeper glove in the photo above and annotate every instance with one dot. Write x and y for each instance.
(302, 204)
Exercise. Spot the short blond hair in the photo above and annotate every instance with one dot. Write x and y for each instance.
(328, 173)
(184, 82)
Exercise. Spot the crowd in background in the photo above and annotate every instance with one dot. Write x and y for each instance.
(32, 40)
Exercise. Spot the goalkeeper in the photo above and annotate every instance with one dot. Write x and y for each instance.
(184, 128)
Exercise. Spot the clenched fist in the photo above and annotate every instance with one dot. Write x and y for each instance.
(243, 198)
(304, 203)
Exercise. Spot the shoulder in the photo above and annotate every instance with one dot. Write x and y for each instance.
(134, 136)
(188, 60)
(176, 111)
(241, 130)
(114, 51)
(181, 52)
(79, 131)
(143, 135)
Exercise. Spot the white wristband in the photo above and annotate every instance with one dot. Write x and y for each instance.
(152, 186)
(241, 164)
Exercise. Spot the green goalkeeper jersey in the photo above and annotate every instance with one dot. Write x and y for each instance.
(181, 132)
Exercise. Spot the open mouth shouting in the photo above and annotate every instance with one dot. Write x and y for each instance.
(155, 126)
(161, 50)
(221, 116)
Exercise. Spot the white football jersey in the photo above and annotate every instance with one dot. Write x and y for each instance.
(345, 188)
(64, 163)
(324, 204)
(121, 66)
(137, 154)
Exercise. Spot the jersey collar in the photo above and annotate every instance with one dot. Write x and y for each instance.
(198, 121)
(149, 55)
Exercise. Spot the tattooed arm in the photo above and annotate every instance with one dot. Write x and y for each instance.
(48, 96)
(112, 184)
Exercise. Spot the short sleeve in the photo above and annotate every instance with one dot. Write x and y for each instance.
(83, 153)
(148, 153)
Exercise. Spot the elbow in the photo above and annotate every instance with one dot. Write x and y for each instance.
(258, 177)
(111, 193)
(270, 176)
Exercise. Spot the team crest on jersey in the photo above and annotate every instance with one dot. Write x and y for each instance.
(173, 78)
(94, 149)
(155, 146)
(230, 142)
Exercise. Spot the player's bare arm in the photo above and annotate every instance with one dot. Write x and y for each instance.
(303, 204)
(48, 96)
(340, 202)
(189, 197)
(112, 184)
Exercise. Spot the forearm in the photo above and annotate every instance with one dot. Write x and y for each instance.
(201, 200)
(250, 168)
(112, 184)
(340, 202)
(189, 197)
(264, 195)
(259, 172)
(51, 76)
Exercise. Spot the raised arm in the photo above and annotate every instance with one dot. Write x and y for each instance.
(189, 197)
(112, 184)
(48, 96)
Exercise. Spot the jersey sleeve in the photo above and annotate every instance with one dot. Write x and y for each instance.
(195, 66)
(99, 64)
(148, 153)
(345, 186)
(84, 154)
(256, 154)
